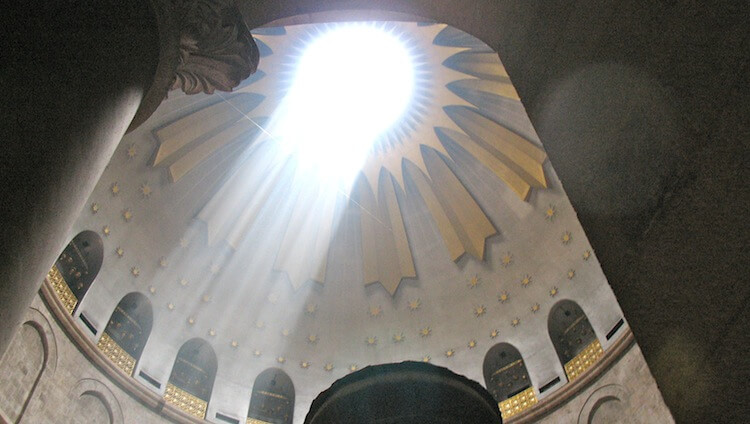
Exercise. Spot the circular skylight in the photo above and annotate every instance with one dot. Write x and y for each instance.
(351, 84)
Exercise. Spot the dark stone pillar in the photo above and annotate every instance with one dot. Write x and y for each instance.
(73, 75)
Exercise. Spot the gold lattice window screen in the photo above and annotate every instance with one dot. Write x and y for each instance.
(256, 421)
(517, 403)
(116, 354)
(61, 289)
(185, 401)
(584, 360)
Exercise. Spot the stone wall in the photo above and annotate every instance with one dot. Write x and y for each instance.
(21, 368)
(625, 393)
(46, 379)
(51, 381)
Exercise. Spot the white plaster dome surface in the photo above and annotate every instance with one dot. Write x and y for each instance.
(232, 247)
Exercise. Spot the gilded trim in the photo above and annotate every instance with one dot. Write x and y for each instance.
(511, 365)
(275, 395)
(255, 421)
(148, 397)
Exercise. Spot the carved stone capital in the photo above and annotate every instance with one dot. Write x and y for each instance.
(217, 51)
(204, 46)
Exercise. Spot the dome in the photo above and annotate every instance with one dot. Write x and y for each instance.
(454, 243)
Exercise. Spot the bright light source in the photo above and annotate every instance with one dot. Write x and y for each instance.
(352, 84)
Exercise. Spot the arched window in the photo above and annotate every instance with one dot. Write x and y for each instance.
(127, 331)
(506, 377)
(272, 400)
(192, 379)
(76, 268)
(573, 337)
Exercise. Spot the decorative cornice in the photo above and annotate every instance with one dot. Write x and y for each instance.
(127, 383)
(204, 45)
(558, 398)
(153, 400)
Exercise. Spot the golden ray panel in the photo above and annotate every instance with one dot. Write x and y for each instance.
(454, 81)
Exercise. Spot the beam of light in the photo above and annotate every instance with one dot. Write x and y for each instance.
(351, 84)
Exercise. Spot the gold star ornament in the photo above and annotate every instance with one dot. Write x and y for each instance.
(526, 280)
(415, 304)
(146, 190)
(566, 238)
(474, 281)
(506, 260)
(550, 213)
(480, 310)
(503, 297)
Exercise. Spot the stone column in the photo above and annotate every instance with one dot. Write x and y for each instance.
(75, 75)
